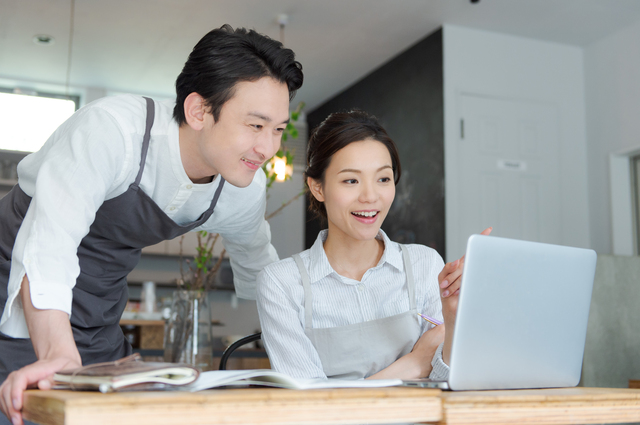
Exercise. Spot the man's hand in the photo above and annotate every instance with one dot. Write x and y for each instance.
(449, 280)
(52, 339)
(36, 375)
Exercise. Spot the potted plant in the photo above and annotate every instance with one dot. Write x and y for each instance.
(188, 330)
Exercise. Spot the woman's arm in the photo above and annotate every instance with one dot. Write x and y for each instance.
(426, 264)
(417, 363)
(279, 305)
(450, 279)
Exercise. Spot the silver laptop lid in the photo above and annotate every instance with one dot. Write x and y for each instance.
(522, 315)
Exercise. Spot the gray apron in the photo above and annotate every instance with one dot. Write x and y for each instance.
(122, 227)
(360, 350)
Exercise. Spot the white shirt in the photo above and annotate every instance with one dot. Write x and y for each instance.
(340, 301)
(94, 156)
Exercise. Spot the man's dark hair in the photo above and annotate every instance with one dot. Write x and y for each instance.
(224, 57)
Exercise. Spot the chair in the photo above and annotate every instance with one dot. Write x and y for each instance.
(239, 343)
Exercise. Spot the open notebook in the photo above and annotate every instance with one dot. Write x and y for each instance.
(130, 374)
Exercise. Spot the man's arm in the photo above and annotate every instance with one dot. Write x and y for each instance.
(53, 342)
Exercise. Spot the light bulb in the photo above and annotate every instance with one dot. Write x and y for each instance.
(280, 168)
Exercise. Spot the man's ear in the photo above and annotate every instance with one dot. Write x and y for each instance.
(195, 111)
(315, 187)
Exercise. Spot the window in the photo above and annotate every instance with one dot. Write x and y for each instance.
(27, 119)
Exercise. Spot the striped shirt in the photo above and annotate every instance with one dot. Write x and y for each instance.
(340, 301)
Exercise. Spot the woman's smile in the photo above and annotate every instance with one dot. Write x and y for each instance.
(366, 217)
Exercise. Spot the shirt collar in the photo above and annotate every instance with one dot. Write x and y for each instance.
(320, 267)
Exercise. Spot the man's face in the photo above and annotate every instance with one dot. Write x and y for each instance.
(248, 131)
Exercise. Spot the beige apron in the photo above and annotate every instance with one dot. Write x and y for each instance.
(360, 350)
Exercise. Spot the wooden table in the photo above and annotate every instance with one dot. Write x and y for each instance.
(236, 406)
(345, 406)
(549, 406)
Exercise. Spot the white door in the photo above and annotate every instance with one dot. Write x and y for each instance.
(508, 170)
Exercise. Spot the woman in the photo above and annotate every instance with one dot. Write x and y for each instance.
(347, 307)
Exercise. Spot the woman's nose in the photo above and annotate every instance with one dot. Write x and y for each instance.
(368, 193)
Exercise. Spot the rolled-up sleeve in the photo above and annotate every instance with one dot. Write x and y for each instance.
(249, 257)
(75, 169)
(440, 371)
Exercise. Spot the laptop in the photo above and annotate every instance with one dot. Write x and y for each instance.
(522, 316)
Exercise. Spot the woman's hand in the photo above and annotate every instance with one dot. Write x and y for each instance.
(449, 280)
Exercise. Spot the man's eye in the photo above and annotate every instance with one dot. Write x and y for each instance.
(280, 130)
(257, 126)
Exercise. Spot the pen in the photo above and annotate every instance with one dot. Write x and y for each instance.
(430, 319)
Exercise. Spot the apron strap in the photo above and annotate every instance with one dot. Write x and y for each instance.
(151, 112)
(408, 269)
(306, 285)
(214, 201)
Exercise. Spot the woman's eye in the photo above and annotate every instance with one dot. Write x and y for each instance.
(351, 181)
(385, 180)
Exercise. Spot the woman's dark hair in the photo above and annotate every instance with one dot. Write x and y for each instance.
(334, 133)
(224, 57)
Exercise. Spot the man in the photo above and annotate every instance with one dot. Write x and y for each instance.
(126, 172)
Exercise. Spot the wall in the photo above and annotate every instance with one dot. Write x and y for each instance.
(612, 352)
(613, 106)
(406, 96)
(503, 66)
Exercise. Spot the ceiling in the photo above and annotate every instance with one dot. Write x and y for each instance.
(139, 46)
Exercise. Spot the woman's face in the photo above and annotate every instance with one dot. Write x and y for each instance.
(358, 189)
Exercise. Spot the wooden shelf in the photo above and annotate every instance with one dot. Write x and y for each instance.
(140, 322)
(7, 184)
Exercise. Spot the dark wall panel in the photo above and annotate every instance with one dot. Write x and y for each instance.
(406, 94)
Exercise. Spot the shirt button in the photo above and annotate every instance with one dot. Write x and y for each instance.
(361, 287)
(172, 208)
(189, 186)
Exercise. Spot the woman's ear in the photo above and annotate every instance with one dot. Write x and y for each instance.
(195, 111)
(315, 187)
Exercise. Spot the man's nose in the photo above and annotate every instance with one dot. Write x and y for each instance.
(268, 144)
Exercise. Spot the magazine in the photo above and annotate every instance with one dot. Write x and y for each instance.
(126, 375)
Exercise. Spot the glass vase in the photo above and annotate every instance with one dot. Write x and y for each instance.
(188, 330)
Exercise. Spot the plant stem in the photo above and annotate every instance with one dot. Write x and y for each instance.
(283, 206)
